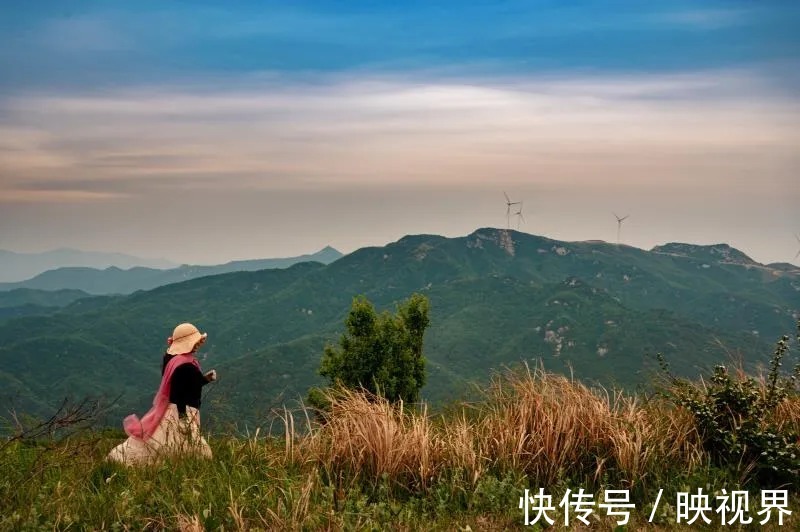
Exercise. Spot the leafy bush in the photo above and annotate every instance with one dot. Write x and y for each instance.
(381, 354)
(739, 418)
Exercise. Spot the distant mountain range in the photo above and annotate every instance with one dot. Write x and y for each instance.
(20, 266)
(596, 310)
(115, 280)
(27, 302)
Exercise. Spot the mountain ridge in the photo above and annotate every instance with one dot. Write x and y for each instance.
(115, 280)
(19, 266)
(497, 297)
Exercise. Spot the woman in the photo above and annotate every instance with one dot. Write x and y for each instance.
(172, 426)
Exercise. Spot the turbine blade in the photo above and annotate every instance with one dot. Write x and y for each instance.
(626, 217)
(508, 200)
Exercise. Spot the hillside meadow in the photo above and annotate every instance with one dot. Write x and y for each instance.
(369, 465)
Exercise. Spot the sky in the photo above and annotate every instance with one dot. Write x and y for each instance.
(204, 132)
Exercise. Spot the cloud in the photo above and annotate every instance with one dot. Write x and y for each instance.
(40, 197)
(703, 19)
(93, 32)
(391, 130)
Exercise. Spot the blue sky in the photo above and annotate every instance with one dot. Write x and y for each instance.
(247, 109)
(83, 44)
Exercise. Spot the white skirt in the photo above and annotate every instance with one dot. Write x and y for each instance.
(174, 435)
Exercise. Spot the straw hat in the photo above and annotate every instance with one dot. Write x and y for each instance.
(184, 338)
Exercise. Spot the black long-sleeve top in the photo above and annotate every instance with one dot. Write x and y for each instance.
(186, 386)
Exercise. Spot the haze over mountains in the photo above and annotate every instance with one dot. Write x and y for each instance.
(497, 297)
(20, 266)
(115, 280)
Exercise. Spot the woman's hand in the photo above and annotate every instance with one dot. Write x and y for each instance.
(211, 376)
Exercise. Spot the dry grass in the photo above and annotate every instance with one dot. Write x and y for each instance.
(189, 524)
(546, 426)
(787, 415)
(366, 437)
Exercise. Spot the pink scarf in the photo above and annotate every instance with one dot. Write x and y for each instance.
(144, 428)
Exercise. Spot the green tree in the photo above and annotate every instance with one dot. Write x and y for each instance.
(380, 353)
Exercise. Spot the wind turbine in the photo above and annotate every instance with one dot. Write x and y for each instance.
(509, 203)
(619, 224)
(798, 241)
(519, 216)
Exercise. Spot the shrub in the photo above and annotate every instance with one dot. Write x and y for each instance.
(381, 354)
(740, 418)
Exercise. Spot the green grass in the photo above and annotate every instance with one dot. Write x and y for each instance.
(249, 485)
(372, 466)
